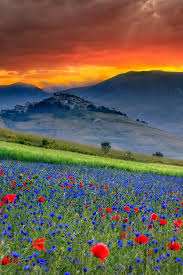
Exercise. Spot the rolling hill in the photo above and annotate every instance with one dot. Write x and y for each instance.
(71, 118)
(153, 96)
(19, 93)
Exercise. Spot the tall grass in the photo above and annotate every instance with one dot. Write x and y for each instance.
(36, 154)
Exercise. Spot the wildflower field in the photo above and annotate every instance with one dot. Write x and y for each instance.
(61, 219)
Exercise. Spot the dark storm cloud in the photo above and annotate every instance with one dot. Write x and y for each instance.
(37, 33)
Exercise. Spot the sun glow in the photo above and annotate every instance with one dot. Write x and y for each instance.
(74, 76)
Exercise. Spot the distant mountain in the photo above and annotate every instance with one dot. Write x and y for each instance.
(19, 93)
(152, 96)
(72, 118)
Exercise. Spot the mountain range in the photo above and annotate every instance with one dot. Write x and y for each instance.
(19, 93)
(153, 96)
(72, 118)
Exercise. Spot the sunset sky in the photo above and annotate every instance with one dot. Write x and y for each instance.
(79, 42)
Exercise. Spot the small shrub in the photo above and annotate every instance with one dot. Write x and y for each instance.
(158, 154)
(128, 156)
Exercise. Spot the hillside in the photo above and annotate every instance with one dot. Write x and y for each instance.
(20, 137)
(19, 93)
(34, 154)
(154, 96)
(72, 118)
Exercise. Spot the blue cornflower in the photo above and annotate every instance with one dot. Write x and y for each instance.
(138, 260)
(179, 259)
(15, 254)
(156, 249)
(9, 227)
(35, 254)
(27, 267)
(52, 214)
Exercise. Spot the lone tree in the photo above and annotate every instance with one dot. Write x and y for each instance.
(105, 146)
(45, 142)
(158, 154)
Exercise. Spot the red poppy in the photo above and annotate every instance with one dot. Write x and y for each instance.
(149, 253)
(101, 208)
(136, 209)
(39, 244)
(9, 198)
(154, 217)
(5, 261)
(162, 221)
(179, 221)
(108, 210)
(13, 182)
(100, 251)
(178, 224)
(125, 220)
(173, 246)
(181, 203)
(150, 225)
(141, 239)
(124, 235)
(117, 217)
(41, 199)
(127, 208)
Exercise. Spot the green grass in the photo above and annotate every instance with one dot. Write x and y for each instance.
(36, 154)
(36, 140)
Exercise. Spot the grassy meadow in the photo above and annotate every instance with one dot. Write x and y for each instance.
(35, 154)
(56, 144)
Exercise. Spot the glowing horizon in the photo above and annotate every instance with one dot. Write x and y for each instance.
(79, 76)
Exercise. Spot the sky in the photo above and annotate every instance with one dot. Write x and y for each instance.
(79, 42)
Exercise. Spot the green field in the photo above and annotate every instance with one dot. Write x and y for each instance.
(13, 136)
(36, 154)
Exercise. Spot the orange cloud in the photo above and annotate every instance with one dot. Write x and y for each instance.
(87, 40)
